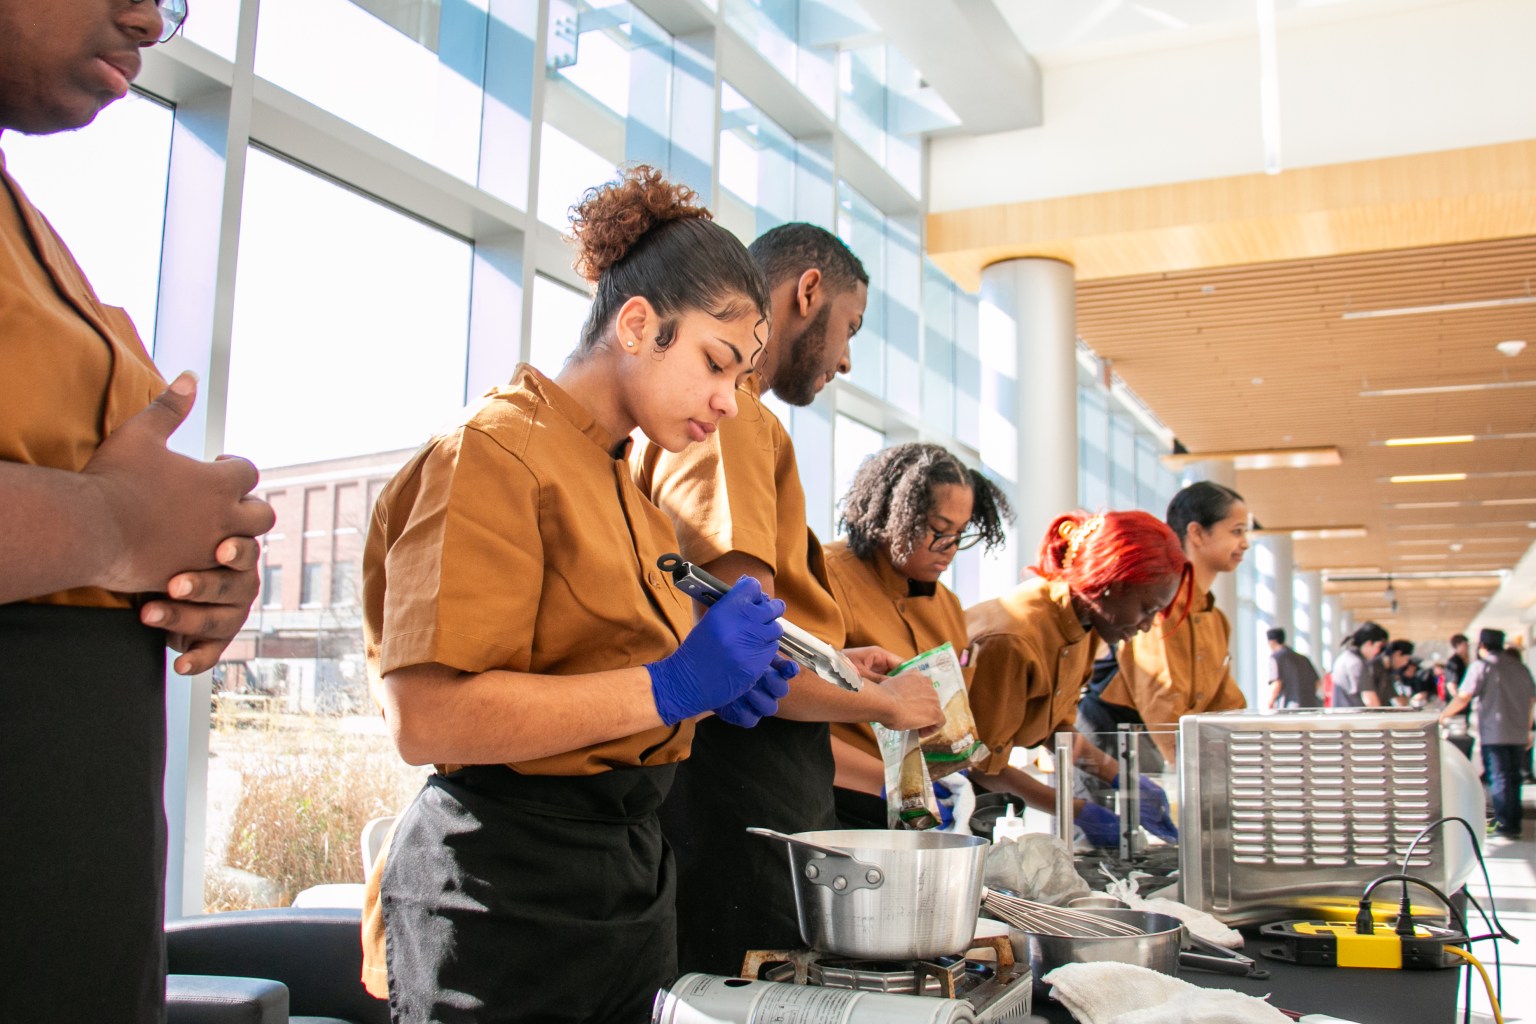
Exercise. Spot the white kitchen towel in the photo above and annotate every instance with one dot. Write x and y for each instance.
(1197, 921)
(1114, 993)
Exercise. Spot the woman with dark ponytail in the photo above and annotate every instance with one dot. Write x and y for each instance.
(1183, 666)
(1102, 579)
(521, 639)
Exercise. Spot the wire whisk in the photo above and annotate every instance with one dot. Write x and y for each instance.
(1045, 919)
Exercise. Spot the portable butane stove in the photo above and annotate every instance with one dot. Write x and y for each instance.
(996, 989)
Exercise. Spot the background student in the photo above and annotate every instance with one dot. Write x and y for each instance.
(1183, 666)
(1102, 578)
(739, 509)
(909, 510)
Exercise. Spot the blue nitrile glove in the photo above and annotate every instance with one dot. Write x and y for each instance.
(946, 801)
(1154, 809)
(723, 656)
(1100, 824)
(1154, 812)
(762, 699)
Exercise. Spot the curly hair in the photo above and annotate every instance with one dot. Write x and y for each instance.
(643, 235)
(891, 500)
(1090, 553)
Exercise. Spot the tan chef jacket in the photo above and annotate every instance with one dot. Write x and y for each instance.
(1029, 657)
(881, 607)
(520, 542)
(740, 491)
(1181, 666)
(75, 369)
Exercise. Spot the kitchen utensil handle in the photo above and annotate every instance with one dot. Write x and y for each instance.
(844, 872)
(1214, 964)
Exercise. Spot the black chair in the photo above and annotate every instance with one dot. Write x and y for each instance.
(243, 959)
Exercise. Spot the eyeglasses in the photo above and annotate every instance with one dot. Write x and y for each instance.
(942, 542)
(173, 14)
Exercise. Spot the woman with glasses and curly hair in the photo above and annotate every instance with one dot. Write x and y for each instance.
(1101, 579)
(910, 508)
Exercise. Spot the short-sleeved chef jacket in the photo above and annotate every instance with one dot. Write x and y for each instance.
(84, 679)
(883, 608)
(1353, 677)
(1029, 659)
(1181, 666)
(740, 491)
(520, 542)
(75, 369)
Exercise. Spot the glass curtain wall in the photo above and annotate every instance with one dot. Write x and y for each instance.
(346, 218)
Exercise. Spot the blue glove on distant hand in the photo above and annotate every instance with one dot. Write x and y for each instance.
(762, 699)
(1154, 812)
(1100, 824)
(723, 656)
(1154, 815)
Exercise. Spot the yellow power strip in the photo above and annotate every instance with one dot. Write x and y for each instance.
(1337, 944)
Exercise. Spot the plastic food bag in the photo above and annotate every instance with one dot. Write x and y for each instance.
(955, 746)
(909, 799)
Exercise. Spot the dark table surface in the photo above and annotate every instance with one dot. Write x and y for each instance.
(1350, 993)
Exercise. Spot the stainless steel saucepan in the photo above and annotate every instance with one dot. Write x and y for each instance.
(885, 894)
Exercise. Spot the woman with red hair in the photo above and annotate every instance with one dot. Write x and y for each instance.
(1101, 578)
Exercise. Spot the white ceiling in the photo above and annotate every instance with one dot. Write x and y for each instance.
(1064, 31)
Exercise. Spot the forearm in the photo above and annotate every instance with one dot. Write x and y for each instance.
(813, 699)
(1274, 693)
(1457, 704)
(55, 533)
(857, 769)
(1090, 758)
(1032, 791)
(439, 715)
(1370, 698)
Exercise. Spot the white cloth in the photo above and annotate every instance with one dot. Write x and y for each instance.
(1114, 993)
(1197, 921)
(1037, 866)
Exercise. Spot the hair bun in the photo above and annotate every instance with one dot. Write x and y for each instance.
(612, 218)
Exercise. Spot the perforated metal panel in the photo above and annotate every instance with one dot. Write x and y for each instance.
(1299, 810)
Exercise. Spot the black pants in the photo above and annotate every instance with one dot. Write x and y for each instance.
(82, 819)
(734, 890)
(523, 898)
(1503, 760)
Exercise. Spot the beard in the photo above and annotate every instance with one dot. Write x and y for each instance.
(797, 380)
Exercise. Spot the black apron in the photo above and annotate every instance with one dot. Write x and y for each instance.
(734, 890)
(544, 898)
(82, 815)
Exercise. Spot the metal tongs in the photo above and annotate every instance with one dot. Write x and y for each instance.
(796, 644)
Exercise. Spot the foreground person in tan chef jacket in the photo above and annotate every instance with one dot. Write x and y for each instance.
(1183, 666)
(739, 508)
(1102, 578)
(910, 509)
(522, 640)
(111, 547)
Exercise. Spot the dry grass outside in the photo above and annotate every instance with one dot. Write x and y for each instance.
(306, 790)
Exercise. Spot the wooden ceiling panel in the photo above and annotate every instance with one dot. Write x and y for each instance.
(1261, 356)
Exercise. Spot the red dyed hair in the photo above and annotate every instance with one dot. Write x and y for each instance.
(1126, 547)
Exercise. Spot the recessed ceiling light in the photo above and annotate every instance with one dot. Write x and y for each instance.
(1511, 348)
(1442, 307)
(1404, 442)
(1257, 380)
(1427, 478)
(1447, 389)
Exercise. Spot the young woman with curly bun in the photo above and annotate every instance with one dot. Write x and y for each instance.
(521, 639)
(1102, 578)
(1184, 665)
(910, 508)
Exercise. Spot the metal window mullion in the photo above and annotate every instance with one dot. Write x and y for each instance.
(193, 331)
